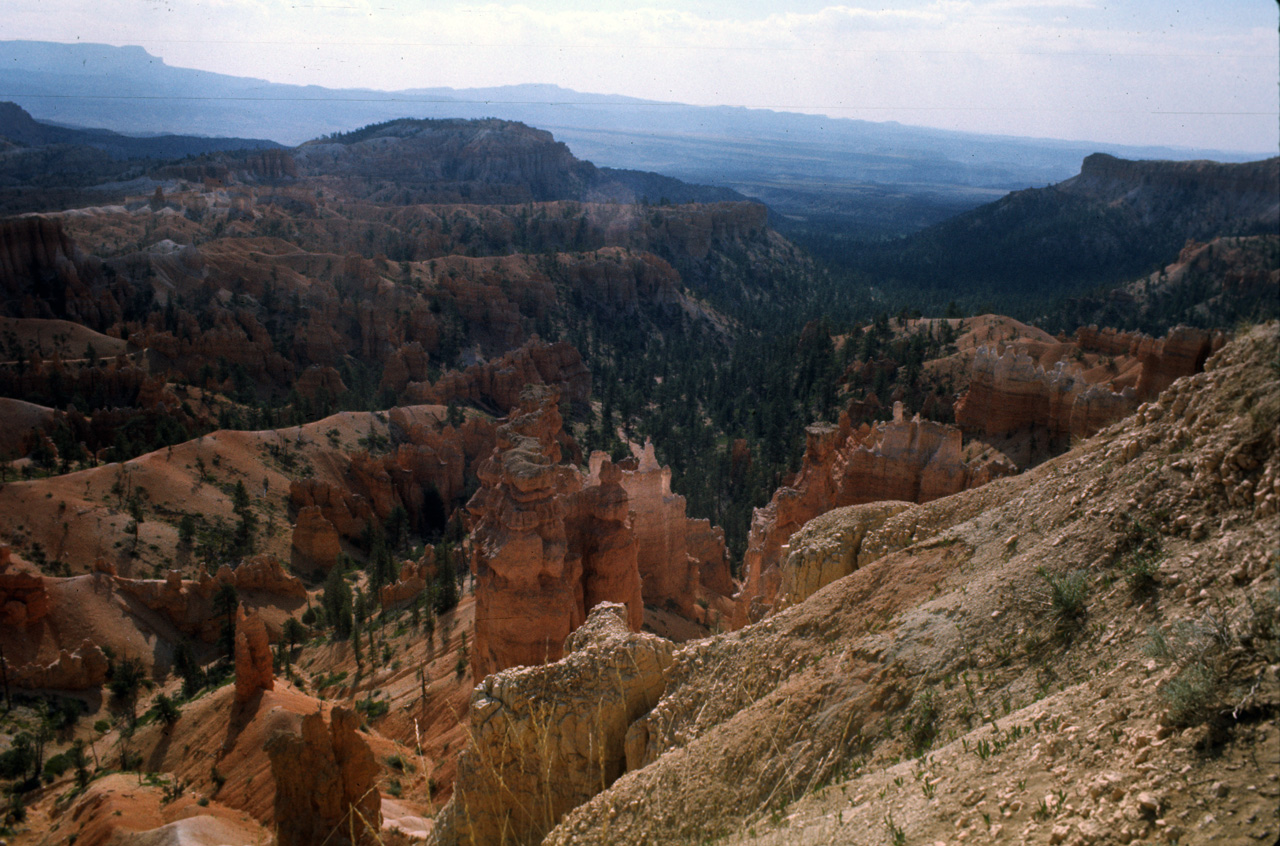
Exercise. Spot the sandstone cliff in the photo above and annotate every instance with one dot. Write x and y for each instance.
(252, 656)
(550, 542)
(683, 562)
(903, 460)
(1012, 392)
(529, 591)
(545, 739)
(326, 783)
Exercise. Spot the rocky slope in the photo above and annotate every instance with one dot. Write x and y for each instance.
(901, 460)
(1081, 654)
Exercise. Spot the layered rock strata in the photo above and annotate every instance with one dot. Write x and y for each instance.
(1010, 391)
(252, 656)
(546, 739)
(550, 542)
(901, 460)
(683, 562)
(326, 784)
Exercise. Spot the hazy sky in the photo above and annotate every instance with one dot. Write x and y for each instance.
(1201, 73)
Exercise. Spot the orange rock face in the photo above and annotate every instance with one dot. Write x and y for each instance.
(189, 603)
(905, 460)
(529, 593)
(1019, 389)
(498, 383)
(599, 532)
(315, 543)
(83, 669)
(23, 598)
(683, 562)
(326, 783)
(425, 474)
(414, 576)
(253, 656)
(549, 543)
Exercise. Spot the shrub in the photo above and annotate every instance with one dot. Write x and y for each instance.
(921, 723)
(1068, 596)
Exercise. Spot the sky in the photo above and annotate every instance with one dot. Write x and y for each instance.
(1189, 74)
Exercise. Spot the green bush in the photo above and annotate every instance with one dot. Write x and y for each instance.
(1068, 596)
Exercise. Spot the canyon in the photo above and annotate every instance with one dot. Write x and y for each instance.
(427, 483)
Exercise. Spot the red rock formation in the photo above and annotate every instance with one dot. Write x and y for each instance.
(1024, 388)
(252, 656)
(266, 573)
(619, 281)
(599, 532)
(188, 604)
(427, 472)
(315, 543)
(499, 382)
(414, 576)
(83, 669)
(317, 378)
(23, 598)
(407, 364)
(683, 562)
(529, 592)
(326, 784)
(348, 512)
(904, 460)
(35, 251)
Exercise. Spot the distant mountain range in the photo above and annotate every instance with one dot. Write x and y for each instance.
(19, 127)
(802, 165)
(1115, 220)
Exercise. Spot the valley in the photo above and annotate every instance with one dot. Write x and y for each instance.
(427, 482)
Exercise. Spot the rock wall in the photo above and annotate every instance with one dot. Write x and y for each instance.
(1010, 392)
(529, 591)
(326, 784)
(901, 460)
(683, 563)
(498, 382)
(424, 474)
(546, 739)
(188, 604)
(23, 598)
(83, 669)
(315, 543)
(42, 274)
(826, 548)
(414, 576)
(550, 542)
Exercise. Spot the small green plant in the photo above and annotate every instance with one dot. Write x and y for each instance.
(1141, 573)
(921, 723)
(1068, 596)
(897, 836)
(373, 708)
(1191, 695)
